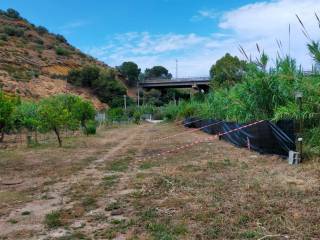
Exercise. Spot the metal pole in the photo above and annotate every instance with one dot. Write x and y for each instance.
(138, 89)
(125, 101)
(300, 126)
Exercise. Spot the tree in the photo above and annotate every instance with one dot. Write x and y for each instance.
(13, 13)
(54, 115)
(84, 112)
(89, 74)
(7, 106)
(102, 82)
(153, 97)
(26, 116)
(227, 71)
(157, 72)
(131, 71)
(108, 88)
(74, 77)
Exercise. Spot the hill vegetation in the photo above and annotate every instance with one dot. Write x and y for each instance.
(35, 63)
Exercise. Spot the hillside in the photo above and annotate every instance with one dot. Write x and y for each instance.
(34, 63)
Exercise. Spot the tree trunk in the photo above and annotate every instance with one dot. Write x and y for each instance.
(36, 136)
(1, 136)
(58, 136)
(83, 124)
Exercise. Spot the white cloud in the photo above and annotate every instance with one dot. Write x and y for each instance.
(148, 50)
(265, 22)
(71, 26)
(261, 23)
(205, 14)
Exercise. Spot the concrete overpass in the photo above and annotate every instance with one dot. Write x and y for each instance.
(200, 83)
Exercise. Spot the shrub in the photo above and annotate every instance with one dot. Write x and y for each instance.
(171, 111)
(3, 37)
(42, 30)
(52, 220)
(13, 31)
(62, 51)
(115, 114)
(39, 41)
(61, 38)
(137, 116)
(91, 127)
(74, 77)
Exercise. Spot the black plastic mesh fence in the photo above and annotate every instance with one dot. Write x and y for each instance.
(265, 137)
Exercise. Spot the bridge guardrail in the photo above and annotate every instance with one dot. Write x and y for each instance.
(188, 79)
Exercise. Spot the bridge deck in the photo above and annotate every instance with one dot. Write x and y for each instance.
(176, 83)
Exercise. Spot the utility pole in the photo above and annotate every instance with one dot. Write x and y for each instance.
(176, 68)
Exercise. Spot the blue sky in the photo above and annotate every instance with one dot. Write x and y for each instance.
(156, 32)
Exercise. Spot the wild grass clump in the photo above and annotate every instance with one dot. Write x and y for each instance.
(53, 219)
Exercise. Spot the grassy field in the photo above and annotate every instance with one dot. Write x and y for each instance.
(115, 186)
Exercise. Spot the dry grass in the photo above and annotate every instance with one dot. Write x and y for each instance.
(210, 191)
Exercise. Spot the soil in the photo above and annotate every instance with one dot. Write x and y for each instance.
(120, 185)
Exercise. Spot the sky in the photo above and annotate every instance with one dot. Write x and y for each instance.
(159, 32)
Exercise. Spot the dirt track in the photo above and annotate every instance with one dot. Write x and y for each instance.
(115, 186)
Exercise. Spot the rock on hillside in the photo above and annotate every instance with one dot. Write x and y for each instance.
(34, 63)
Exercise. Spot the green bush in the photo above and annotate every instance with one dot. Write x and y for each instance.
(13, 13)
(115, 114)
(61, 38)
(3, 37)
(91, 128)
(13, 31)
(62, 51)
(171, 111)
(74, 77)
(53, 219)
(39, 41)
(42, 30)
(137, 117)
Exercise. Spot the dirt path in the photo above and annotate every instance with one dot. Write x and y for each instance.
(56, 199)
(209, 191)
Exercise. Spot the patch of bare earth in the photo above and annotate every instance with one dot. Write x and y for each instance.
(116, 186)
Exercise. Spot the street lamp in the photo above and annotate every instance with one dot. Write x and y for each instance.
(298, 96)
